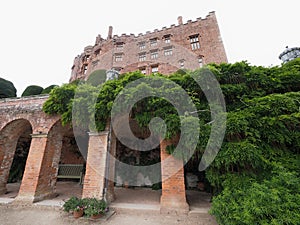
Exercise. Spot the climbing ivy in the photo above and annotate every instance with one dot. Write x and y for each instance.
(255, 176)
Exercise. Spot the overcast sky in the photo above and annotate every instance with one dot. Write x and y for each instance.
(39, 39)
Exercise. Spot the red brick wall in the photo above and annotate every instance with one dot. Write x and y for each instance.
(173, 199)
(95, 166)
(70, 153)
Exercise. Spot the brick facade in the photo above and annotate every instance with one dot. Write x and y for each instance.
(188, 45)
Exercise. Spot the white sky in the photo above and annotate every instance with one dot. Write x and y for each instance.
(39, 39)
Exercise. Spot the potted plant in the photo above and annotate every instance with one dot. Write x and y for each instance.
(74, 205)
(95, 208)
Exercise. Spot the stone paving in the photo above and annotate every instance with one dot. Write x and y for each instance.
(132, 204)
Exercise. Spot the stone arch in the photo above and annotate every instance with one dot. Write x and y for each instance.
(49, 164)
(42, 164)
(9, 136)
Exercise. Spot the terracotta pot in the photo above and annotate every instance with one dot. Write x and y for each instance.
(97, 216)
(78, 214)
(126, 184)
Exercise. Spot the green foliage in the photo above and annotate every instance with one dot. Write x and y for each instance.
(262, 135)
(255, 175)
(270, 201)
(97, 77)
(7, 89)
(48, 89)
(60, 102)
(32, 90)
(93, 206)
(72, 203)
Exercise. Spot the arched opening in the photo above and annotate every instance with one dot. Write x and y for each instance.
(15, 140)
(72, 163)
(198, 189)
(141, 185)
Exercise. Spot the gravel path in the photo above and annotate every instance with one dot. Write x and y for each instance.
(14, 215)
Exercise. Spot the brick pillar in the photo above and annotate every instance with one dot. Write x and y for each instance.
(32, 170)
(173, 199)
(110, 195)
(39, 180)
(95, 165)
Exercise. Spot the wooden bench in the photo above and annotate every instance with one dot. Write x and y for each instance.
(71, 171)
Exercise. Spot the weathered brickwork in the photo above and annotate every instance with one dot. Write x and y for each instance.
(173, 198)
(96, 166)
(188, 45)
(21, 116)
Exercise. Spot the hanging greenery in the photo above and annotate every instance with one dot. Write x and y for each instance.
(256, 173)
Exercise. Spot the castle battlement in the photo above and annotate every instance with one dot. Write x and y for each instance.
(183, 45)
(155, 31)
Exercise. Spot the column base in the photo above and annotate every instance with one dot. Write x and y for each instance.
(173, 205)
(3, 190)
(29, 199)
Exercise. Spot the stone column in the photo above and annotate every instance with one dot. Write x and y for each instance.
(173, 199)
(32, 170)
(110, 195)
(95, 165)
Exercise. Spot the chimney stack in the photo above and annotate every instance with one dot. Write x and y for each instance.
(110, 30)
(179, 20)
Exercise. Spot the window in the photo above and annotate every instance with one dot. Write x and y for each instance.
(118, 57)
(142, 45)
(167, 39)
(84, 69)
(142, 57)
(120, 46)
(154, 69)
(200, 60)
(153, 42)
(194, 40)
(143, 70)
(97, 52)
(168, 51)
(154, 54)
(181, 64)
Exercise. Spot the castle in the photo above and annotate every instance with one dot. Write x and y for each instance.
(183, 46)
(48, 144)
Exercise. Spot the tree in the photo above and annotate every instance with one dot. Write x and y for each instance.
(7, 89)
(32, 90)
(48, 89)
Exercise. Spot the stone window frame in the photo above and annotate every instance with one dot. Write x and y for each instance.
(118, 57)
(200, 60)
(154, 69)
(142, 57)
(154, 54)
(181, 63)
(142, 45)
(143, 70)
(167, 38)
(168, 51)
(120, 46)
(194, 41)
(153, 42)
